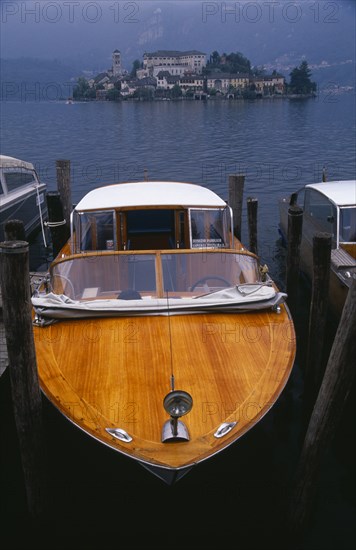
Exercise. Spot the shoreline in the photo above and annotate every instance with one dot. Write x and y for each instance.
(199, 99)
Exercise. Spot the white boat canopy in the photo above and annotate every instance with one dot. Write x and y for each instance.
(11, 162)
(341, 193)
(149, 193)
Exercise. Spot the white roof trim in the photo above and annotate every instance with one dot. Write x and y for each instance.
(341, 192)
(149, 193)
(11, 162)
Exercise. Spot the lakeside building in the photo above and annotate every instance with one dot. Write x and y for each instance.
(166, 81)
(195, 83)
(175, 62)
(274, 83)
(223, 82)
(165, 69)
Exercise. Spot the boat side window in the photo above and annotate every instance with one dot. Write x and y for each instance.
(321, 211)
(17, 178)
(348, 224)
(301, 196)
(97, 231)
(208, 228)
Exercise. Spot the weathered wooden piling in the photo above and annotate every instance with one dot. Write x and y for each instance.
(252, 206)
(315, 364)
(64, 188)
(56, 221)
(14, 230)
(25, 391)
(334, 391)
(295, 224)
(236, 192)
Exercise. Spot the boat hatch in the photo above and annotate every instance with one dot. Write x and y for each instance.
(150, 229)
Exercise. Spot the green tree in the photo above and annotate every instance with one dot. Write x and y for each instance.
(215, 58)
(234, 63)
(135, 65)
(113, 94)
(300, 82)
(237, 63)
(176, 91)
(82, 88)
(144, 93)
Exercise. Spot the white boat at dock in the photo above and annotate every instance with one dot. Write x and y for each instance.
(22, 196)
(330, 207)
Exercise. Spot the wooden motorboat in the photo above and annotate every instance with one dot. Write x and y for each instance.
(22, 196)
(154, 311)
(328, 207)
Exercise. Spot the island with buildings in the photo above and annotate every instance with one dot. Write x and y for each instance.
(170, 74)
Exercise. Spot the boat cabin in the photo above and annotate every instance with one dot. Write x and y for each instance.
(151, 216)
(330, 207)
(22, 195)
(151, 238)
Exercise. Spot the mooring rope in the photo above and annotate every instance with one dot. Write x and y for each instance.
(55, 224)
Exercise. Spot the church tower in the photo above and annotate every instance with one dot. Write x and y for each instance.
(116, 63)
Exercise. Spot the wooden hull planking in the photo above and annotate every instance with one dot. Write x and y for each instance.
(115, 372)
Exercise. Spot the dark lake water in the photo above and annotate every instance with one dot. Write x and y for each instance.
(278, 144)
(102, 500)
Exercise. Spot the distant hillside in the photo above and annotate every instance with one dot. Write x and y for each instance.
(35, 79)
(279, 34)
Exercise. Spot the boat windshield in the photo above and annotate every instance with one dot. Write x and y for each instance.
(347, 225)
(134, 276)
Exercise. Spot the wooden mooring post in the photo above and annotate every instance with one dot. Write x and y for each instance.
(25, 391)
(334, 391)
(252, 205)
(295, 224)
(56, 222)
(315, 363)
(14, 230)
(236, 192)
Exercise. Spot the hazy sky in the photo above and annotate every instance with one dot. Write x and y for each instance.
(86, 32)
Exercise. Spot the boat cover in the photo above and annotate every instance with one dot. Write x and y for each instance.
(241, 298)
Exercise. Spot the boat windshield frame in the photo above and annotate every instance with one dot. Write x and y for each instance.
(154, 274)
(216, 229)
(9, 189)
